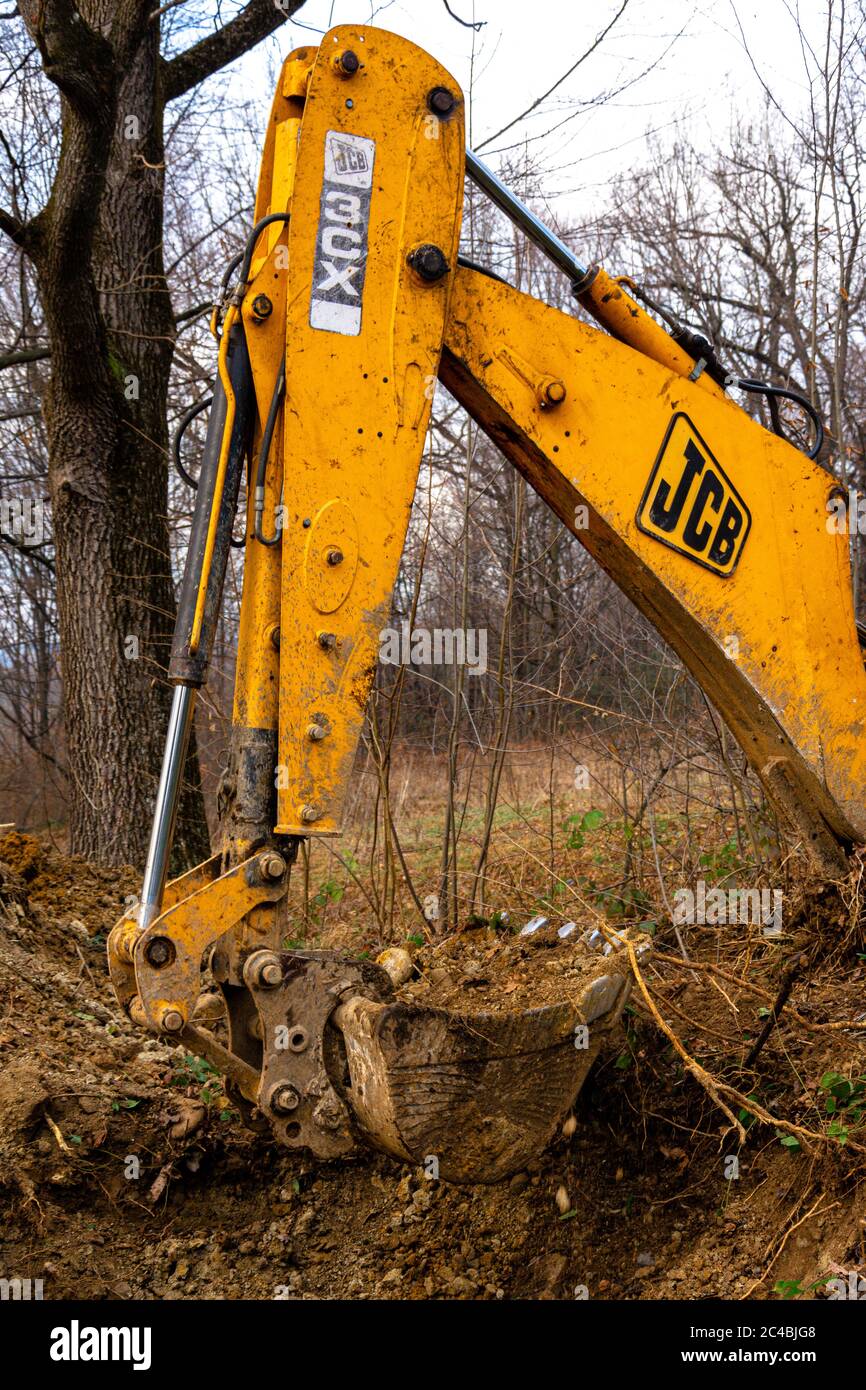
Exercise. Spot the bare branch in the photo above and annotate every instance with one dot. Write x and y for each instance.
(39, 354)
(558, 83)
(31, 552)
(16, 359)
(172, 5)
(475, 24)
(255, 22)
(13, 227)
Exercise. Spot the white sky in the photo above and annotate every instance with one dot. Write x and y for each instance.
(703, 77)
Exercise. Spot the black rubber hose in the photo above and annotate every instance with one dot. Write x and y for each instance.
(185, 421)
(481, 269)
(267, 440)
(774, 393)
(247, 255)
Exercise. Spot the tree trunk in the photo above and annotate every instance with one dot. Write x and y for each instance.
(111, 330)
(97, 250)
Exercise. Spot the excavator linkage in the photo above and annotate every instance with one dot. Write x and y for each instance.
(350, 302)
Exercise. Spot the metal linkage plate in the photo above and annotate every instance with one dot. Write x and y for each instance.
(303, 1056)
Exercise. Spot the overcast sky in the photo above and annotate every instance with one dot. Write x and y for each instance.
(698, 71)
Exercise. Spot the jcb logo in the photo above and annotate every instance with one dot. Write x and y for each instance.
(348, 159)
(690, 503)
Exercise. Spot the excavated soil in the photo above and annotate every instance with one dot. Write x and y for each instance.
(125, 1172)
(482, 970)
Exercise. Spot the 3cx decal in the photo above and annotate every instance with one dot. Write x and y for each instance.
(341, 240)
(690, 503)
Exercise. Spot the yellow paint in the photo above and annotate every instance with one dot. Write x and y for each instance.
(358, 405)
(192, 924)
(610, 303)
(772, 638)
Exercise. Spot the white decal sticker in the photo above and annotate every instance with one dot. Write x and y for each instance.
(341, 244)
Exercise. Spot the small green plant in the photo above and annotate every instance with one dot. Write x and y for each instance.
(721, 862)
(745, 1117)
(579, 825)
(330, 891)
(192, 1071)
(788, 1141)
(846, 1101)
(792, 1288)
(126, 1103)
(625, 1059)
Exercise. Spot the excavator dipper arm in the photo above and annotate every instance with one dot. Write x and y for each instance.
(350, 302)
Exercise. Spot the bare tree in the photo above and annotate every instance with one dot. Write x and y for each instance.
(96, 246)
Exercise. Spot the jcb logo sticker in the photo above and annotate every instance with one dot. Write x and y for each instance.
(341, 245)
(691, 504)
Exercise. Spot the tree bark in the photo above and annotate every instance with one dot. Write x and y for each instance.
(97, 250)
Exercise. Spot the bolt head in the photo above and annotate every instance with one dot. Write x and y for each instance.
(172, 1021)
(309, 814)
(335, 556)
(348, 63)
(555, 392)
(262, 307)
(429, 262)
(272, 865)
(159, 951)
(283, 1098)
(327, 641)
(263, 970)
(441, 102)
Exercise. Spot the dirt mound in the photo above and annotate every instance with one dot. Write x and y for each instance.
(125, 1171)
(485, 970)
(67, 886)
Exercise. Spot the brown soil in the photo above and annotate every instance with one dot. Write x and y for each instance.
(484, 970)
(124, 1171)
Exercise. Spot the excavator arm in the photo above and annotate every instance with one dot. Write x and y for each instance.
(350, 301)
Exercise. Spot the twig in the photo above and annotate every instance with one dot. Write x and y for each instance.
(773, 1017)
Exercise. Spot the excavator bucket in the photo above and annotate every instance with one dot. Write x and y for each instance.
(472, 1097)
